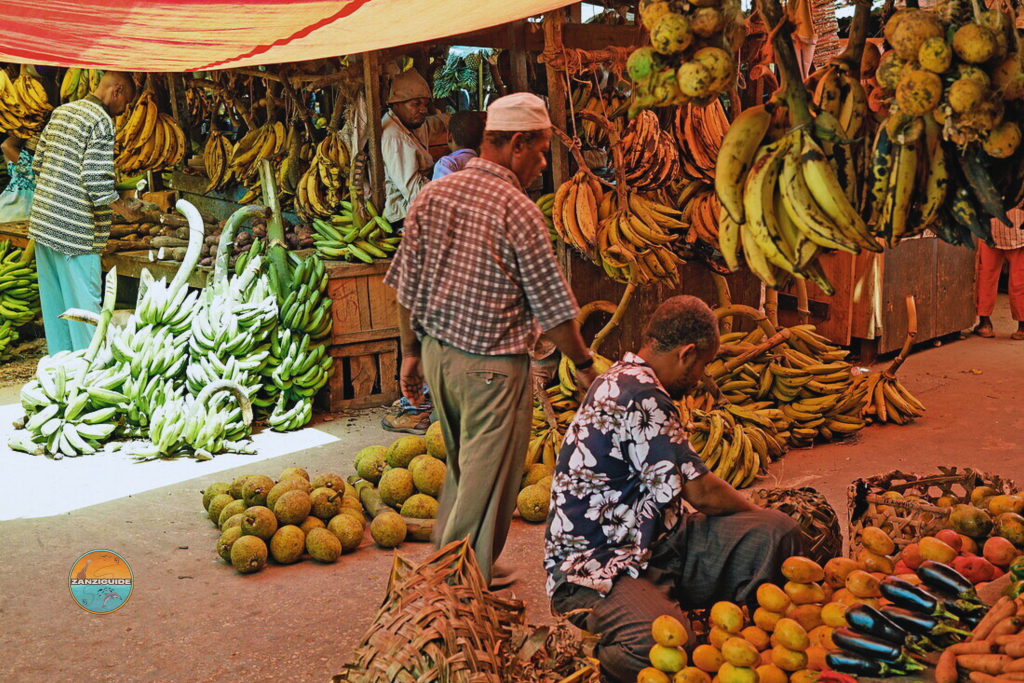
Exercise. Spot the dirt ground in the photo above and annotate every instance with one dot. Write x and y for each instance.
(191, 618)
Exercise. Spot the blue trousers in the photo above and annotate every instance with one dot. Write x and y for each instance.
(67, 282)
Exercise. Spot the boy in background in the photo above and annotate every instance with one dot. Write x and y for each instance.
(465, 133)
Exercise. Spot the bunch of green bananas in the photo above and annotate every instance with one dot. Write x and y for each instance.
(546, 204)
(782, 203)
(78, 83)
(887, 399)
(320, 190)
(287, 418)
(199, 426)
(8, 335)
(148, 139)
(347, 236)
(23, 105)
(19, 289)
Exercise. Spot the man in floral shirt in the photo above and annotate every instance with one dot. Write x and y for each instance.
(620, 545)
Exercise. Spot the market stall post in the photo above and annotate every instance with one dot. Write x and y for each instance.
(374, 113)
(517, 52)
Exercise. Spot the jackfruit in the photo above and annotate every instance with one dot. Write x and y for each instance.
(214, 490)
(323, 546)
(233, 521)
(217, 505)
(287, 544)
(283, 487)
(249, 554)
(396, 486)
(235, 507)
(256, 489)
(259, 521)
(370, 452)
(329, 480)
(429, 476)
(388, 529)
(371, 466)
(420, 506)
(533, 503)
(293, 507)
(535, 473)
(237, 486)
(294, 472)
(355, 514)
(326, 503)
(311, 523)
(435, 442)
(226, 540)
(348, 530)
(403, 450)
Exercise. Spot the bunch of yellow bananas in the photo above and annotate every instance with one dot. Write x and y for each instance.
(782, 203)
(216, 154)
(23, 105)
(78, 83)
(148, 139)
(887, 399)
(649, 154)
(567, 378)
(266, 142)
(545, 440)
(738, 443)
(842, 110)
(585, 99)
(574, 212)
(699, 133)
(321, 189)
(638, 236)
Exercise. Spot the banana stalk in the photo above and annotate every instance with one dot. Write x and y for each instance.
(227, 238)
(234, 388)
(195, 245)
(98, 335)
(275, 231)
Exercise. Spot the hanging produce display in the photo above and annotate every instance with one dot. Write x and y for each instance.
(690, 58)
(77, 83)
(24, 106)
(148, 139)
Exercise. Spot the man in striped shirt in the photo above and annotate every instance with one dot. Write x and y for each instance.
(71, 209)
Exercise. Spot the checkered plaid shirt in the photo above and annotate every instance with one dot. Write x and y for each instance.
(1012, 237)
(475, 266)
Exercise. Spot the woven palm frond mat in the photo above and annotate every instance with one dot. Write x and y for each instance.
(440, 624)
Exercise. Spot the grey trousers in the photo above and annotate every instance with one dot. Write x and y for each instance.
(485, 407)
(705, 560)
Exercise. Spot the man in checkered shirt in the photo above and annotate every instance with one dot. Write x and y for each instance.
(476, 282)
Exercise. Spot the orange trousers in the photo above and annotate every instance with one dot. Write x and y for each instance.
(990, 264)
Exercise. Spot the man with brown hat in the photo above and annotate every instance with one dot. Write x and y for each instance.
(406, 136)
(476, 282)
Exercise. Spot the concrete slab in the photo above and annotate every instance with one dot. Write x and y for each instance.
(193, 618)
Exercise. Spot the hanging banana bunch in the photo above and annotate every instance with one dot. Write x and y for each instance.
(650, 154)
(147, 139)
(216, 154)
(23, 105)
(265, 142)
(320, 191)
(289, 170)
(842, 111)
(77, 83)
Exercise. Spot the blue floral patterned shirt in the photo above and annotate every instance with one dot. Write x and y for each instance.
(619, 479)
(22, 177)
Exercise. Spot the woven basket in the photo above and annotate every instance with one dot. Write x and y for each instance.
(822, 537)
(908, 521)
(438, 624)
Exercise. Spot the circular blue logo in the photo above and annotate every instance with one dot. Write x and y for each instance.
(100, 581)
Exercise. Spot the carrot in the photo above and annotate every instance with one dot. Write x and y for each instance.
(978, 677)
(1015, 649)
(1001, 610)
(976, 647)
(945, 670)
(1016, 666)
(986, 664)
(1012, 675)
(1007, 627)
(1006, 640)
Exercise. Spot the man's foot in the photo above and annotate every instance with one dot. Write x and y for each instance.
(1018, 335)
(407, 423)
(985, 330)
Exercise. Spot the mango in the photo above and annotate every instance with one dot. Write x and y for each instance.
(766, 620)
(652, 675)
(911, 556)
(788, 660)
(910, 578)
(717, 637)
(999, 551)
(1000, 504)
(947, 501)
(888, 509)
(772, 598)
(1010, 526)
(805, 676)
(981, 492)
(844, 596)
(769, 673)
(968, 545)
(975, 569)
(736, 674)
(757, 637)
(804, 593)
(791, 635)
(816, 658)
(970, 521)
(862, 585)
(808, 616)
(667, 659)
(935, 550)
(834, 614)
(822, 637)
(877, 541)
(876, 563)
(727, 617)
(837, 569)
(668, 631)
(951, 538)
(766, 656)
(802, 570)
(708, 658)
(740, 653)
(691, 674)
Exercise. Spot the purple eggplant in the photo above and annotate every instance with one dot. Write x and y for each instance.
(859, 665)
(939, 577)
(908, 596)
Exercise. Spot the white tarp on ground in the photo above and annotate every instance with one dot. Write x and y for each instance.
(105, 476)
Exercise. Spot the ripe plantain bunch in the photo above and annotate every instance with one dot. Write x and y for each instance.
(588, 99)
(699, 133)
(947, 157)
(649, 154)
(887, 400)
(627, 241)
(265, 142)
(321, 188)
(216, 154)
(289, 170)
(738, 443)
(77, 83)
(545, 440)
(700, 209)
(23, 105)
(147, 139)
(690, 56)
(782, 203)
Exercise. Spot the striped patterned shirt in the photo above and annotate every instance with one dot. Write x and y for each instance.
(74, 167)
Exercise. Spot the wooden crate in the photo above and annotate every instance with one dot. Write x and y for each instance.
(365, 338)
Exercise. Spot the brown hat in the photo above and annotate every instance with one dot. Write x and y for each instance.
(408, 85)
